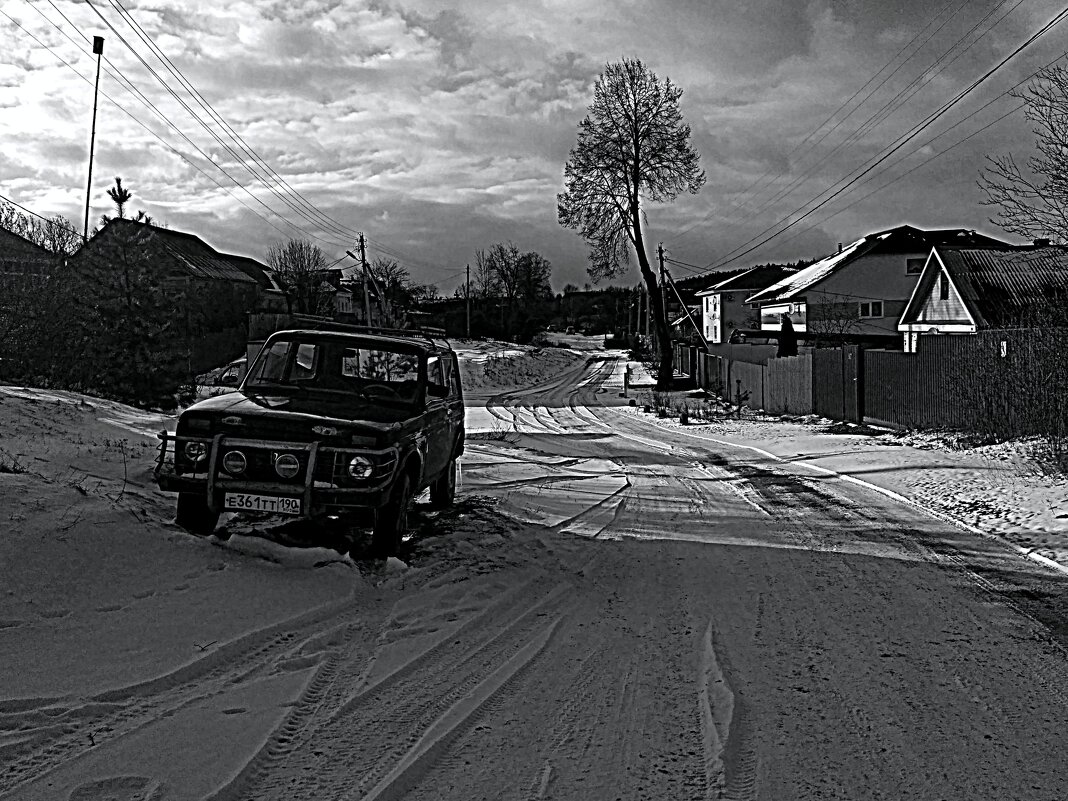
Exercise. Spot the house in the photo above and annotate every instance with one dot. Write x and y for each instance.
(21, 260)
(212, 292)
(859, 292)
(967, 290)
(724, 307)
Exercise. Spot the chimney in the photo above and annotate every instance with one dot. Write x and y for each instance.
(839, 247)
(1041, 243)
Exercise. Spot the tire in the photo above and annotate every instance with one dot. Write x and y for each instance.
(194, 514)
(443, 490)
(391, 521)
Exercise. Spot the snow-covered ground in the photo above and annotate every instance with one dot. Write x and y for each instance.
(998, 489)
(139, 662)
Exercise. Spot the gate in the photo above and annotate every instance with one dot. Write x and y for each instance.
(838, 383)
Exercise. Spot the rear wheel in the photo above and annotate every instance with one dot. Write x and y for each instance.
(194, 514)
(391, 521)
(443, 490)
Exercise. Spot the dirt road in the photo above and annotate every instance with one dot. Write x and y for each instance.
(613, 611)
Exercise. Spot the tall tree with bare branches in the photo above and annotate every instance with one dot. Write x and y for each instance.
(301, 270)
(1032, 201)
(633, 146)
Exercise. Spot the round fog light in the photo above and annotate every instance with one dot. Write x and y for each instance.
(234, 462)
(360, 467)
(286, 465)
(196, 451)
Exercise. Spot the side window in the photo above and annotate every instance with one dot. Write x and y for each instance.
(350, 362)
(304, 363)
(272, 364)
(434, 373)
(454, 378)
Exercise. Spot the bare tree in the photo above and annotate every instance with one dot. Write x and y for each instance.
(830, 320)
(301, 270)
(632, 146)
(520, 279)
(1032, 201)
(486, 283)
(400, 293)
(55, 234)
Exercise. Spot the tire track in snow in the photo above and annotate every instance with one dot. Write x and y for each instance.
(439, 736)
(730, 759)
(411, 711)
(73, 729)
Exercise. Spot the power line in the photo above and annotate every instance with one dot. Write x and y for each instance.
(319, 217)
(901, 142)
(300, 212)
(738, 205)
(129, 87)
(894, 103)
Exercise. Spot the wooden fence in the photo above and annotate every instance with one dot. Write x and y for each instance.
(1010, 383)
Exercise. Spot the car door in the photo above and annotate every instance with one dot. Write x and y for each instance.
(437, 426)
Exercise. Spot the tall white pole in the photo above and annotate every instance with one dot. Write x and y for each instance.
(98, 49)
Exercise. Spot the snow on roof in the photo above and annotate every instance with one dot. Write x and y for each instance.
(811, 274)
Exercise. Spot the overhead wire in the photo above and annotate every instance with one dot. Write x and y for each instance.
(893, 104)
(738, 205)
(901, 142)
(222, 143)
(166, 144)
(321, 217)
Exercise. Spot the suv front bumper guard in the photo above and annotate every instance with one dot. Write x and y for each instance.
(315, 494)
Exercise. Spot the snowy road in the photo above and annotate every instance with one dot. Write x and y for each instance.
(612, 610)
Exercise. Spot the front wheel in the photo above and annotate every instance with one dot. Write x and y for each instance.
(194, 514)
(443, 490)
(391, 521)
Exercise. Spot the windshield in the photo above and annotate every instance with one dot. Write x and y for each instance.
(336, 366)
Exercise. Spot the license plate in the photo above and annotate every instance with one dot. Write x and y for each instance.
(242, 502)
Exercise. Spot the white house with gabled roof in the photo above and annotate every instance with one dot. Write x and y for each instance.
(861, 290)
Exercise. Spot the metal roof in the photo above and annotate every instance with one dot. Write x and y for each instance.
(903, 239)
(1000, 286)
(186, 252)
(757, 278)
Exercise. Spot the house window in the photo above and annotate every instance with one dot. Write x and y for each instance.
(914, 266)
(943, 287)
(871, 308)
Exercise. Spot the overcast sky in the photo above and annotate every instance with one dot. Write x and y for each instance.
(439, 128)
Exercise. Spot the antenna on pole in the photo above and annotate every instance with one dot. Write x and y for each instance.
(98, 49)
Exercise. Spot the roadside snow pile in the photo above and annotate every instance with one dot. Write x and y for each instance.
(500, 366)
(101, 590)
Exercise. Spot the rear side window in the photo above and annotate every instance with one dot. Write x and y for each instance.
(434, 372)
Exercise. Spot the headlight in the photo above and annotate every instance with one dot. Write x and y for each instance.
(196, 451)
(286, 465)
(234, 462)
(360, 467)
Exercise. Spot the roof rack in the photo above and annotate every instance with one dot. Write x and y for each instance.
(329, 324)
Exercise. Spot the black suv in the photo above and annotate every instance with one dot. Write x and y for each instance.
(324, 422)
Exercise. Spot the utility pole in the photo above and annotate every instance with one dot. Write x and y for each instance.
(366, 299)
(467, 295)
(645, 300)
(98, 49)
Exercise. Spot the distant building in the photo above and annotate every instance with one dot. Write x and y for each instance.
(723, 305)
(967, 290)
(215, 291)
(21, 261)
(859, 292)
